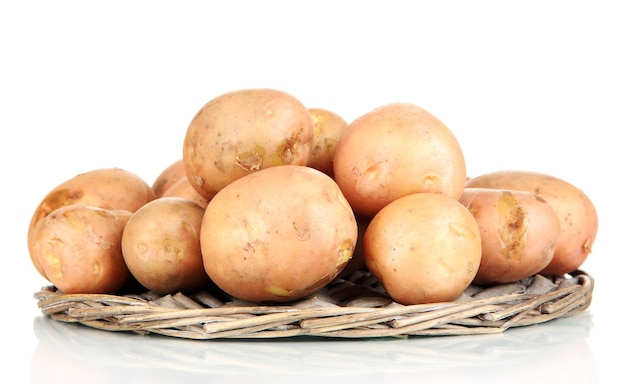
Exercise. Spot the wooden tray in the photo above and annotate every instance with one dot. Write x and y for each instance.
(349, 307)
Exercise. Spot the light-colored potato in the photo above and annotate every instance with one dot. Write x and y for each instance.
(243, 131)
(423, 248)
(393, 151)
(79, 249)
(327, 129)
(518, 231)
(107, 188)
(577, 214)
(278, 234)
(168, 177)
(161, 246)
(183, 188)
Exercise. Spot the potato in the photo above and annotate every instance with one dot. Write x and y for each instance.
(518, 231)
(393, 151)
(183, 188)
(243, 131)
(168, 177)
(327, 129)
(278, 234)
(423, 248)
(107, 188)
(161, 246)
(577, 214)
(79, 249)
(357, 261)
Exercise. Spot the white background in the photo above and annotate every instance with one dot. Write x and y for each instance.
(533, 85)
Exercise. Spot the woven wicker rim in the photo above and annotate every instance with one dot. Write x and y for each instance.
(349, 307)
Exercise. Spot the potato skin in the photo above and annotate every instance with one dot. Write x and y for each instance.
(423, 248)
(278, 234)
(79, 249)
(328, 127)
(161, 246)
(243, 131)
(357, 262)
(577, 214)
(107, 188)
(396, 150)
(518, 230)
(183, 188)
(168, 177)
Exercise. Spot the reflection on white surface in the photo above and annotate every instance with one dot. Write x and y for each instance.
(553, 352)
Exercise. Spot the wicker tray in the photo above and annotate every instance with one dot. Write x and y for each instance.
(349, 307)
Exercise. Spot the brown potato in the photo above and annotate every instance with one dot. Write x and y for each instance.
(161, 246)
(518, 231)
(577, 214)
(327, 129)
(168, 177)
(278, 234)
(79, 249)
(183, 188)
(393, 151)
(423, 248)
(243, 131)
(107, 188)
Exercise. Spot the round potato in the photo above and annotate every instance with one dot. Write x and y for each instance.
(577, 214)
(168, 177)
(327, 129)
(243, 131)
(183, 188)
(518, 231)
(423, 248)
(278, 234)
(161, 246)
(107, 188)
(393, 151)
(79, 248)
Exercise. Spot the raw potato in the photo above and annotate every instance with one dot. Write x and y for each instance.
(278, 234)
(183, 188)
(518, 230)
(79, 249)
(393, 151)
(168, 177)
(327, 129)
(241, 132)
(423, 248)
(161, 246)
(577, 214)
(271, 201)
(107, 188)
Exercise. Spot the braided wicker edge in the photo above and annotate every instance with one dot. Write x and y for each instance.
(352, 307)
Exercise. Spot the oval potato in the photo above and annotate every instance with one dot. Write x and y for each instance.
(183, 188)
(518, 231)
(243, 131)
(393, 151)
(327, 129)
(107, 188)
(423, 248)
(79, 248)
(278, 234)
(161, 246)
(577, 214)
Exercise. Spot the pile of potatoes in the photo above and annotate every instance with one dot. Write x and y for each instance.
(271, 200)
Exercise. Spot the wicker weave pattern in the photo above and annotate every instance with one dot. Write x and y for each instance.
(353, 307)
